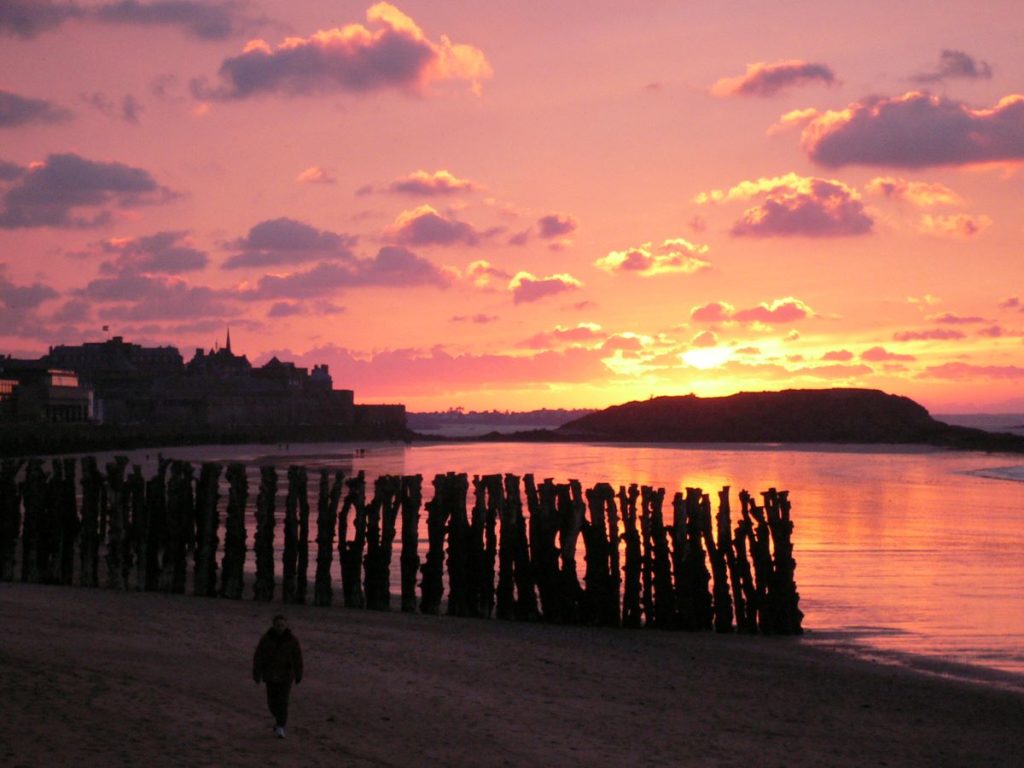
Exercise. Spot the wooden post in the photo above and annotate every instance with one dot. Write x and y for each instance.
(138, 524)
(523, 570)
(326, 521)
(70, 524)
(10, 516)
(412, 498)
(743, 535)
(784, 614)
(51, 532)
(570, 510)
(648, 559)
(33, 492)
(663, 598)
(351, 552)
(543, 551)
(718, 553)
(595, 543)
(232, 570)
(208, 519)
(438, 510)
(156, 533)
(634, 559)
(117, 521)
(381, 515)
(302, 567)
(458, 544)
(264, 541)
(291, 536)
(92, 483)
(495, 502)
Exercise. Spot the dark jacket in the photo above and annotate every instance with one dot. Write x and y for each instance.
(278, 658)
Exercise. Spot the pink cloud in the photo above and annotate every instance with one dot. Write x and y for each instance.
(674, 256)
(820, 208)
(880, 354)
(526, 287)
(704, 340)
(316, 175)
(555, 225)
(285, 241)
(956, 64)
(834, 371)
(426, 226)
(948, 318)
(483, 274)
(933, 334)
(161, 253)
(966, 372)
(392, 53)
(838, 355)
(763, 79)
(921, 194)
(426, 184)
(582, 333)
(960, 225)
(916, 130)
(780, 311)
(17, 110)
(54, 192)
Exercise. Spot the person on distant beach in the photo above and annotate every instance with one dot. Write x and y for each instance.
(278, 662)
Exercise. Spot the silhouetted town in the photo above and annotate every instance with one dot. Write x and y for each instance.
(115, 382)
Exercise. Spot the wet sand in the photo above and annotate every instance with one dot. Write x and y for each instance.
(100, 678)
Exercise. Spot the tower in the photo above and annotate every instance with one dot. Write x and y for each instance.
(227, 342)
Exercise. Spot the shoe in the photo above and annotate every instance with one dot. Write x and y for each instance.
(279, 730)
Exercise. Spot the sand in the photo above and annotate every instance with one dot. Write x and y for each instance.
(101, 678)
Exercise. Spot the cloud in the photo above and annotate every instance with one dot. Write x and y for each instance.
(582, 333)
(673, 256)
(19, 298)
(477, 319)
(391, 267)
(285, 241)
(393, 54)
(1013, 302)
(18, 110)
(436, 371)
(932, 334)
(966, 371)
(29, 18)
(705, 340)
(762, 79)
(128, 110)
(424, 184)
(425, 226)
(880, 354)
(51, 193)
(526, 287)
(202, 20)
(956, 64)
(838, 355)
(833, 371)
(284, 309)
(916, 130)
(555, 225)
(960, 225)
(11, 171)
(780, 311)
(920, 194)
(796, 206)
(949, 318)
(168, 253)
(483, 274)
(316, 175)
(138, 297)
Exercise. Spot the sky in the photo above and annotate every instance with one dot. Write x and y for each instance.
(514, 204)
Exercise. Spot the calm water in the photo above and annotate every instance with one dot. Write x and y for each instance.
(899, 551)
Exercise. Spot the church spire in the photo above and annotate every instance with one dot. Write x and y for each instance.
(227, 344)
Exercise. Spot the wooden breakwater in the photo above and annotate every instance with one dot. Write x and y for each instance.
(500, 545)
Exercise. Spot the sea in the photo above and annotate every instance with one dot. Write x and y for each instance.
(907, 555)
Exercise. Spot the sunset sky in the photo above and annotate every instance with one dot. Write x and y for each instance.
(516, 204)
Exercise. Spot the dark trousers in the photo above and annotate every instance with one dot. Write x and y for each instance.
(277, 700)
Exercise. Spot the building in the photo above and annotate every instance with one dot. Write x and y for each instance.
(31, 391)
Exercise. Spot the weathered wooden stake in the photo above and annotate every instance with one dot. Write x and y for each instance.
(92, 485)
(302, 567)
(10, 516)
(326, 521)
(208, 520)
(291, 536)
(351, 551)
(412, 498)
(232, 570)
(631, 616)
(717, 552)
(264, 541)
(438, 509)
(33, 493)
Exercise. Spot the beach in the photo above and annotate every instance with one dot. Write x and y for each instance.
(97, 677)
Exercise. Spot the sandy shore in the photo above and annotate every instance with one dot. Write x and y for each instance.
(99, 678)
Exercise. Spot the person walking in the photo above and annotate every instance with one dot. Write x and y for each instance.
(278, 662)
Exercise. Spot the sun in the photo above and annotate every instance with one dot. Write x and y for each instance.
(711, 357)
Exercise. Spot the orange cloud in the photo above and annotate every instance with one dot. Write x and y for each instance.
(921, 194)
(422, 183)
(960, 225)
(395, 53)
(785, 310)
(916, 130)
(763, 79)
(673, 256)
(526, 287)
(315, 175)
